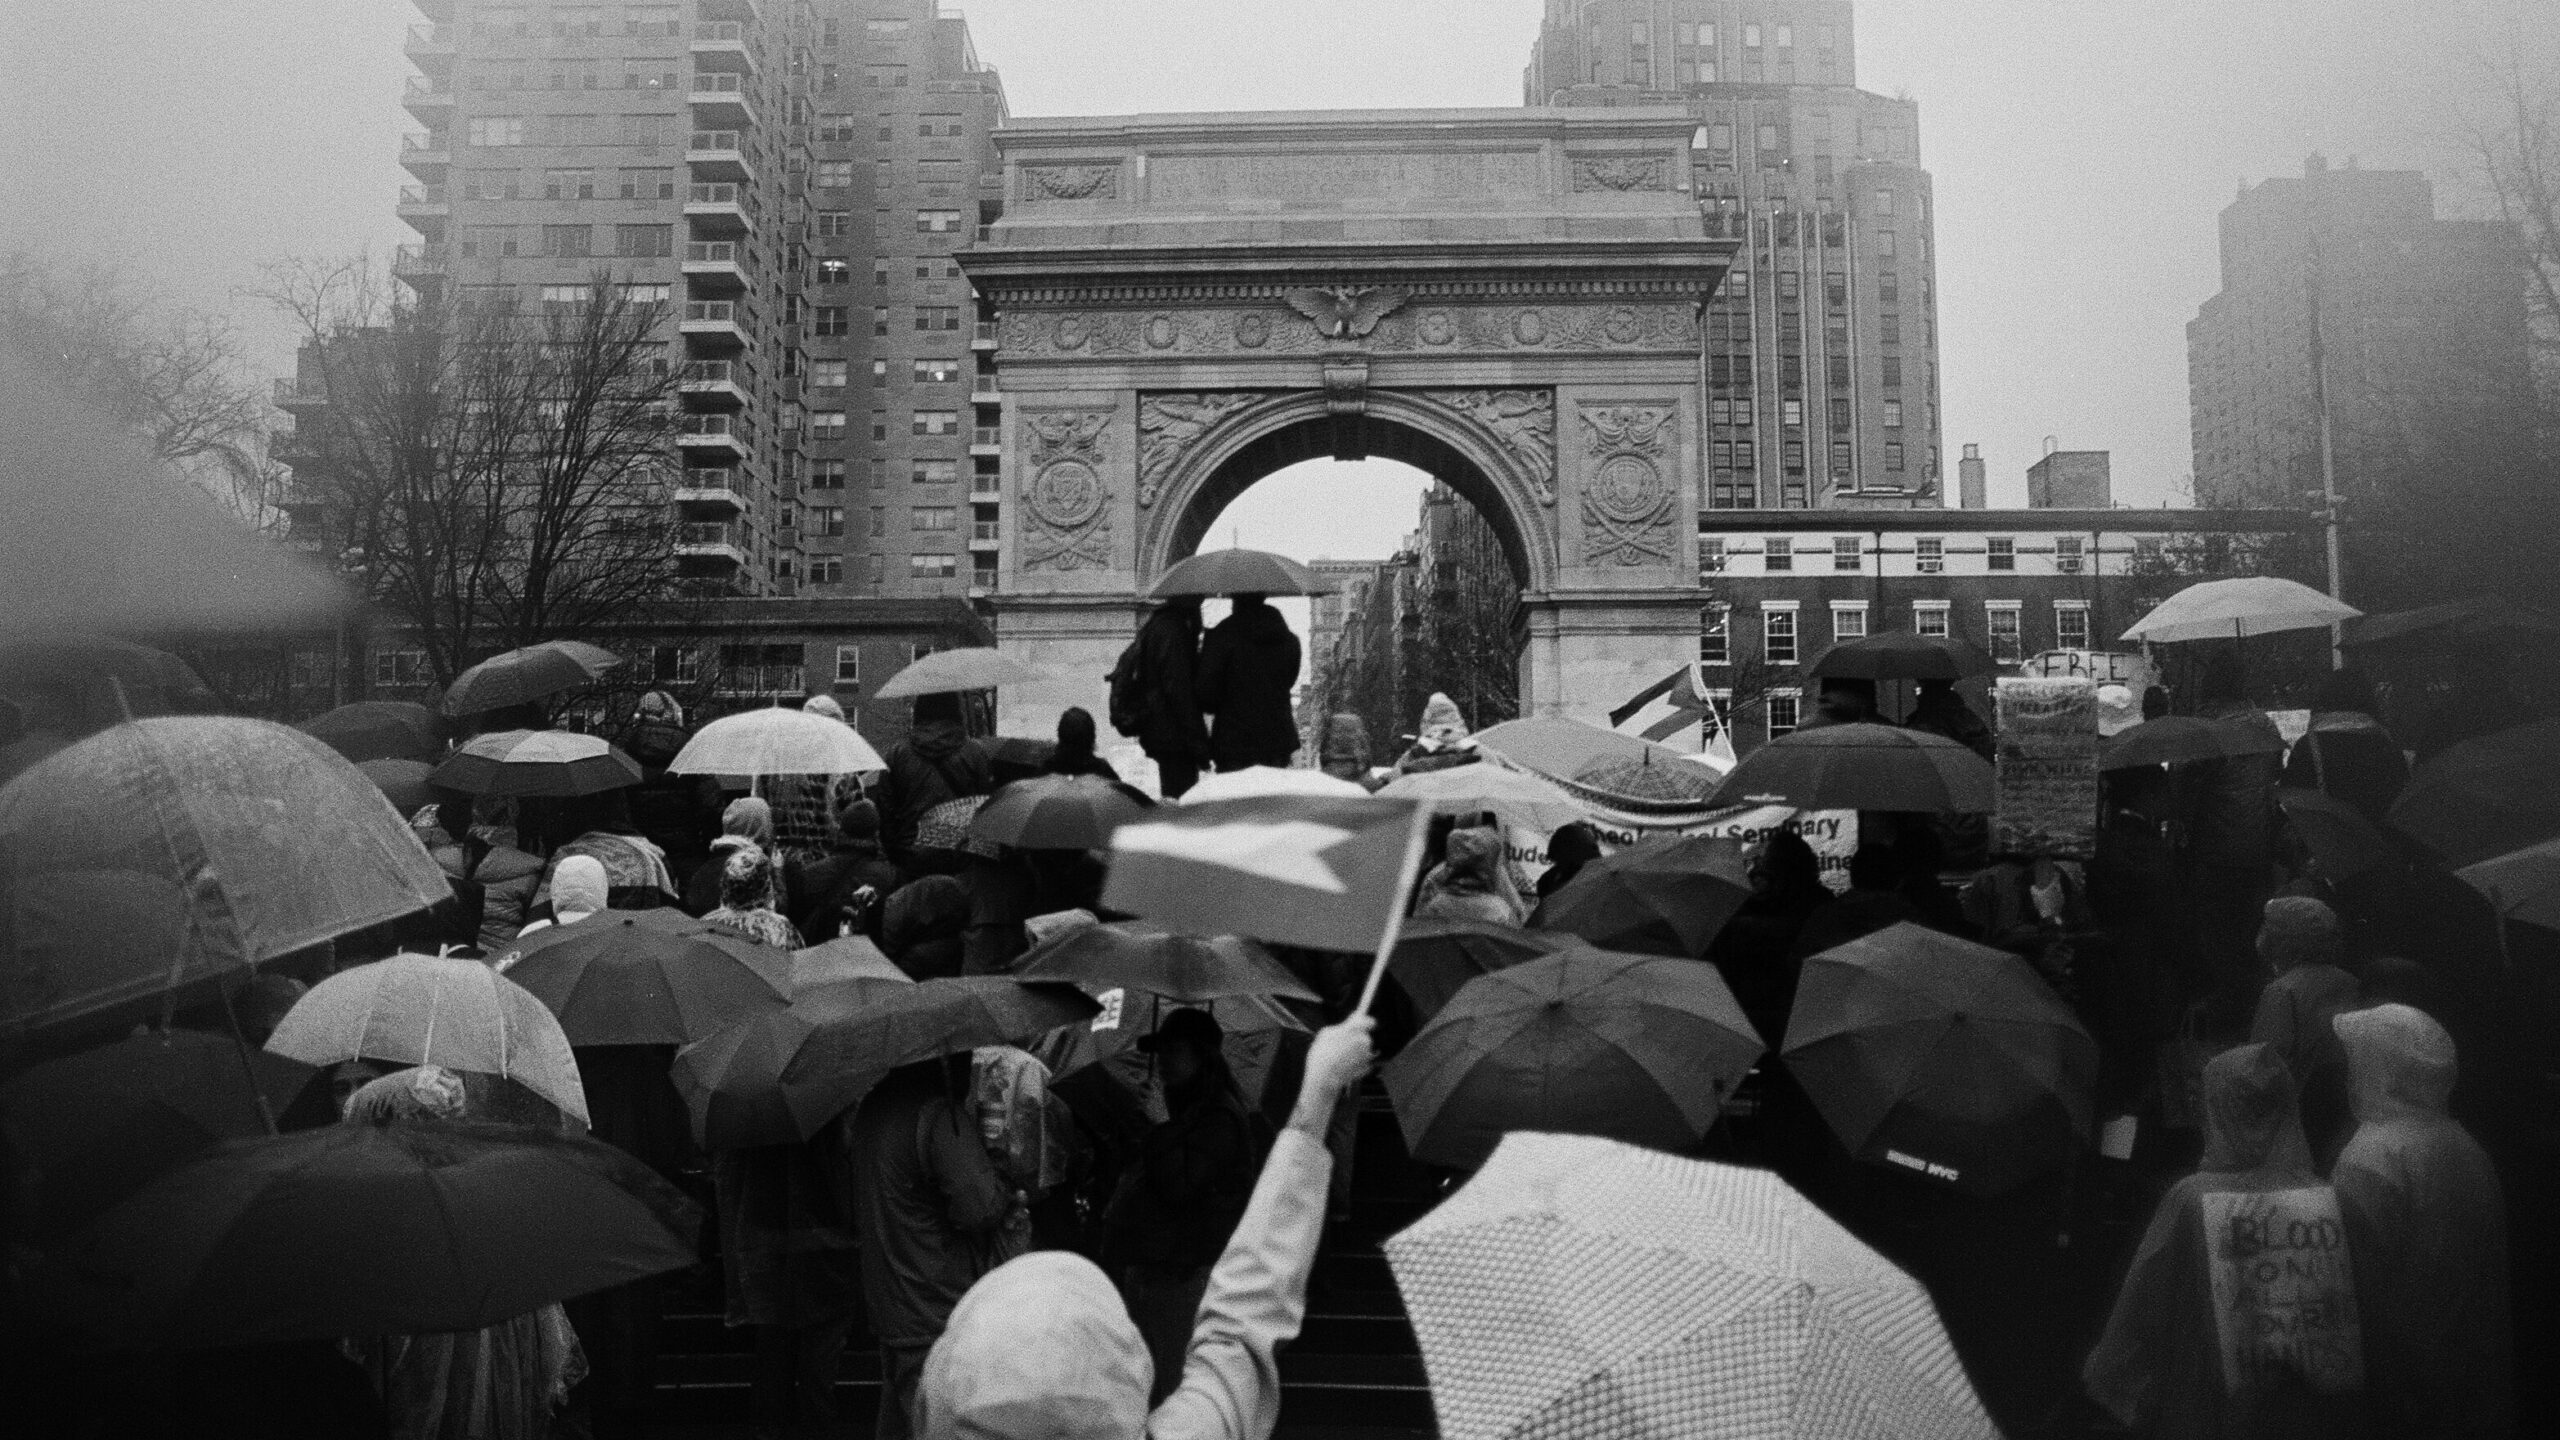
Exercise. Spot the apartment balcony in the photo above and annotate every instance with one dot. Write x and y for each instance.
(423, 154)
(986, 534)
(985, 336)
(719, 155)
(713, 384)
(987, 440)
(719, 100)
(986, 485)
(714, 325)
(710, 446)
(983, 391)
(717, 209)
(425, 208)
(710, 496)
(418, 267)
(429, 97)
(711, 546)
(430, 47)
(722, 45)
(714, 267)
(747, 11)
(295, 395)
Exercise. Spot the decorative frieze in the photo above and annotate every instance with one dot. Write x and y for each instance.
(1418, 326)
(1065, 504)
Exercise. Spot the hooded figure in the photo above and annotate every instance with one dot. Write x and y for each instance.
(747, 821)
(1345, 753)
(1473, 882)
(1570, 848)
(2158, 1367)
(829, 895)
(657, 730)
(1248, 666)
(1074, 754)
(501, 1383)
(1169, 727)
(1441, 741)
(508, 877)
(2299, 941)
(2428, 1229)
(578, 890)
(936, 764)
(748, 885)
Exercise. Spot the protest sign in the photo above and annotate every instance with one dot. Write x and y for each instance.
(2121, 678)
(1833, 834)
(2047, 797)
(2284, 1297)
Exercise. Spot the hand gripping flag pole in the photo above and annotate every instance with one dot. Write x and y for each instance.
(1415, 837)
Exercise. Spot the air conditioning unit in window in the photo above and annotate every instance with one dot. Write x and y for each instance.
(2066, 565)
(1932, 567)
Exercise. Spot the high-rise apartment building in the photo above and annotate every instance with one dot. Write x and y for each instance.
(1821, 363)
(2419, 324)
(790, 177)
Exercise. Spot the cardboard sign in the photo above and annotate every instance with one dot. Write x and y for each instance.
(2284, 1298)
(2047, 794)
(2120, 677)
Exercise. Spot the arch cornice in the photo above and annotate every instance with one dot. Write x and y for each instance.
(1512, 481)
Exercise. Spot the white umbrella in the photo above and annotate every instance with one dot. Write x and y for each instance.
(1529, 801)
(956, 671)
(2232, 609)
(1254, 780)
(776, 742)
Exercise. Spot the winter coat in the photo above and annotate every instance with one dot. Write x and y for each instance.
(1248, 667)
(936, 764)
(928, 1205)
(1043, 1349)
(2293, 1019)
(1169, 667)
(509, 879)
(822, 892)
(922, 926)
(636, 869)
(2427, 1227)
(2233, 829)
(788, 1226)
(2349, 757)
(1181, 1198)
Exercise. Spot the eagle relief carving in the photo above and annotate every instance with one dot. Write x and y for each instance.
(1626, 502)
(1345, 313)
(1066, 506)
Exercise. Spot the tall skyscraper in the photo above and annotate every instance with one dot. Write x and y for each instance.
(790, 177)
(2418, 323)
(1821, 361)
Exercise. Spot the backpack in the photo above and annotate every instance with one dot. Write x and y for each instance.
(1129, 705)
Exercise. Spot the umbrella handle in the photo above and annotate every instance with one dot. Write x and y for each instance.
(1405, 876)
(248, 1070)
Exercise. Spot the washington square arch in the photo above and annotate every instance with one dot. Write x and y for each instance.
(1508, 300)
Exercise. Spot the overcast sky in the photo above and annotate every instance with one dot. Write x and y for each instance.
(2081, 152)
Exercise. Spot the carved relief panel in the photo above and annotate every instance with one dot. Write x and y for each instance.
(1066, 504)
(1417, 326)
(1631, 491)
(1524, 420)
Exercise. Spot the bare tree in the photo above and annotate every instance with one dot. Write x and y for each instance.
(498, 477)
(175, 378)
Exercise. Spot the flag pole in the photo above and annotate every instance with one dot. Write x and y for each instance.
(1405, 876)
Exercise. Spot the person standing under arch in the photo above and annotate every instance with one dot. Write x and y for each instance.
(1167, 725)
(1248, 666)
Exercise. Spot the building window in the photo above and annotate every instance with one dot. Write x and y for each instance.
(568, 242)
(829, 374)
(934, 472)
(832, 224)
(1791, 412)
(1929, 619)
(1842, 457)
(937, 222)
(826, 474)
(1929, 554)
(826, 569)
(1893, 414)
(643, 242)
(2069, 556)
(1848, 555)
(932, 567)
(938, 318)
(2002, 553)
(495, 130)
(940, 518)
(1777, 554)
(879, 320)
(1715, 635)
(833, 174)
(937, 372)
(2001, 618)
(826, 424)
(1885, 243)
(831, 320)
(1711, 555)
(1893, 455)
(1778, 634)
(848, 664)
(879, 374)
(1893, 372)
(2070, 625)
(1751, 37)
(1848, 622)
(826, 520)
(1783, 708)
(401, 668)
(936, 422)
(885, 77)
(835, 272)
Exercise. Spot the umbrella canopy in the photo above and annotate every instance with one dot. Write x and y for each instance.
(2344, 842)
(776, 742)
(372, 1230)
(93, 1127)
(407, 784)
(1258, 780)
(1433, 958)
(1240, 572)
(1056, 812)
(848, 957)
(2233, 609)
(107, 680)
(1577, 1286)
(537, 762)
(434, 1010)
(1862, 767)
(1108, 1046)
(918, 1022)
(1518, 797)
(946, 827)
(1941, 1057)
(165, 851)
(531, 673)
(378, 730)
(2485, 797)
(1642, 780)
(1560, 748)
(1901, 655)
(1642, 1048)
(647, 977)
(2185, 740)
(946, 672)
(2524, 885)
(732, 1081)
(1134, 955)
(2479, 617)
(1656, 897)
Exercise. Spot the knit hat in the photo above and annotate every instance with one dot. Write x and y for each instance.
(823, 705)
(858, 819)
(578, 887)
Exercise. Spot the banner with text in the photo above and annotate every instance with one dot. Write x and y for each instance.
(2048, 768)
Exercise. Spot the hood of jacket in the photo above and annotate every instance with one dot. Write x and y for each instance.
(2400, 1063)
(504, 863)
(1039, 1349)
(2252, 1120)
(1261, 626)
(937, 739)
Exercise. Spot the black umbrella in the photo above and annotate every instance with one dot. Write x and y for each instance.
(408, 784)
(2185, 740)
(531, 673)
(919, 1022)
(378, 730)
(107, 679)
(2485, 797)
(648, 977)
(2338, 836)
(537, 762)
(1862, 767)
(1185, 969)
(370, 1230)
(1943, 1058)
(1901, 655)
(1240, 572)
(1433, 958)
(732, 1081)
(1056, 812)
(1656, 897)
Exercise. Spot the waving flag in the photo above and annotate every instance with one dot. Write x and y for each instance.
(1308, 870)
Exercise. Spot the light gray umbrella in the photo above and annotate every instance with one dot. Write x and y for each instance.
(946, 672)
